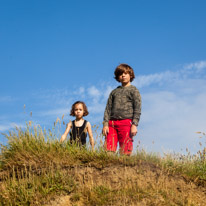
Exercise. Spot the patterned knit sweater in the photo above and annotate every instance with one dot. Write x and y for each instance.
(123, 103)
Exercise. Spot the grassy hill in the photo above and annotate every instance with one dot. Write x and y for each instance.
(35, 169)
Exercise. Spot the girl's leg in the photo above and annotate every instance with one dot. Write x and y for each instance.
(111, 139)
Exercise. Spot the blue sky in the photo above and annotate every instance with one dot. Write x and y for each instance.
(53, 53)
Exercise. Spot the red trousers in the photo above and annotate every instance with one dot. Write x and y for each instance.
(119, 131)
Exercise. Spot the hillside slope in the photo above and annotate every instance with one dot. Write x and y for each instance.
(35, 169)
(142, 184)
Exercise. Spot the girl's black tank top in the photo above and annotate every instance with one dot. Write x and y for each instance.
(78, 134)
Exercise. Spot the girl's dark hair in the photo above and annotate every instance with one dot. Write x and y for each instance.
(124, 68)
(84, 108)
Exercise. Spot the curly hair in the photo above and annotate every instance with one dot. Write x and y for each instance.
(120, 69)
(84, 108)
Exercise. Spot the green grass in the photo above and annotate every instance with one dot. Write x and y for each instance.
(34, 168)
(33, 189)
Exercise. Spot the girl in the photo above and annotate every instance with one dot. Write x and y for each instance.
(79, 127)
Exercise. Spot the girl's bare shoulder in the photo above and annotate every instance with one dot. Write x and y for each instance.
(69, 124)
(88, 124)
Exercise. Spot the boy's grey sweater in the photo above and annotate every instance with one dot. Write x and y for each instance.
(123, 103)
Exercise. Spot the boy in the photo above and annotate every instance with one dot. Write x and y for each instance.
(122, 113)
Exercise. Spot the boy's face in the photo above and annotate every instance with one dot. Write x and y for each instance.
(124, 78)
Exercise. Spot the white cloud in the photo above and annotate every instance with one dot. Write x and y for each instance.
(94, 92)
(81, 90)
(158, 78)
(171, 120)
(96, 108)
(199, 66)
(187, 71)
(174, 111)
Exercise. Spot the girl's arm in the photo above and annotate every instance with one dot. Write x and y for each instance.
(64, 136)
(91, 139)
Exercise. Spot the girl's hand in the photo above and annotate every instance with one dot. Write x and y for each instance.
(105, 130)
(63, 137)
(133, 130)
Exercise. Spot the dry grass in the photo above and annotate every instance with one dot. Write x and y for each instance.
(35, 169)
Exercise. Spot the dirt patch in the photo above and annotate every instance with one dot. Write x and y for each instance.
(143, 184)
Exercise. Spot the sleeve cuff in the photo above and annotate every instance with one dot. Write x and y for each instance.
(105, 124)
(135, 122)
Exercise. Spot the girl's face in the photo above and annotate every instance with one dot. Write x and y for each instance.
(78, 111)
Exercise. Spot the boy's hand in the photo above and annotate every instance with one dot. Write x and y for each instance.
(133, 130)
(105, 130)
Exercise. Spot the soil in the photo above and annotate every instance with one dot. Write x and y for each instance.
(159, 187)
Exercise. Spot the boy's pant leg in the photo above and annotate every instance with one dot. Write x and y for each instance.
(124, 136)
(111, 138)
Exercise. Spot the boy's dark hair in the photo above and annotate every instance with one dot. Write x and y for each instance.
(124, 68)
(84, 108)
